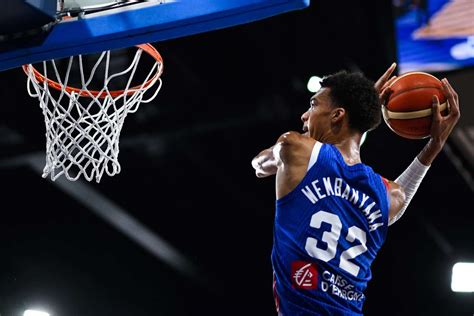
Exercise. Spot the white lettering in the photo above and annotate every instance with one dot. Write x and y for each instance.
(345, 195)
(355, 197)
(340, 287)
(326, 275)
(366, 211)
(364, 198)
(318, 189)
(372, 217)
(327, 186)
(337, 186)
(375, 226)
(309, 194)
(324, 286)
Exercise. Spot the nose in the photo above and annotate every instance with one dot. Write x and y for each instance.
(304, 116)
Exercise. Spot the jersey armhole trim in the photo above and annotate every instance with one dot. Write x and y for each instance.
(387, 187)
(314, 155)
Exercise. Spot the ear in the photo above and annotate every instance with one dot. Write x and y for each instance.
(338, 115)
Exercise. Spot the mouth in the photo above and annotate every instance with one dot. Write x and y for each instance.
(305, 128)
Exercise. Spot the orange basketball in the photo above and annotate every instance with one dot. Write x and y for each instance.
(408, 109)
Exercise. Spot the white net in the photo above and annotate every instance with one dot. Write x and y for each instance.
(83, 126)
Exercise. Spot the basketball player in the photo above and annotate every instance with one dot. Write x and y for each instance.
(333, 211)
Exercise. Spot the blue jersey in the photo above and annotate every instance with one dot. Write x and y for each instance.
(327, 232)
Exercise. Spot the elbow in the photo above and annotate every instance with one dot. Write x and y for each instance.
(255, 163)
(264, 166)
(398, 203)
(398, 197)
(260, 174)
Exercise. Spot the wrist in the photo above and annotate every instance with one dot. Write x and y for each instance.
(430, 151)
(436, 144)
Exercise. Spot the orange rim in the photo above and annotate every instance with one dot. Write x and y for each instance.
(148, 48)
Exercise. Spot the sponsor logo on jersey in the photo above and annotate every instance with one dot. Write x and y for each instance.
(336, 285)
(304, 275)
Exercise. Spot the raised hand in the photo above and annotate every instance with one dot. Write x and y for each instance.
(442, 126)
(383, 82)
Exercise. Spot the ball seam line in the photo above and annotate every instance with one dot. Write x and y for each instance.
(387, 114)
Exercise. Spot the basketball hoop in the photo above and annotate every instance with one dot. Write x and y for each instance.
(83, 125)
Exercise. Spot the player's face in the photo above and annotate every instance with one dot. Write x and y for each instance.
(316, 120)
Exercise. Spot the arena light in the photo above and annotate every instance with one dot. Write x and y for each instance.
(314, 84)
(32, 312)
(462, 279)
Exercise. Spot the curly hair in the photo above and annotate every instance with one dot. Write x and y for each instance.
(357, 95)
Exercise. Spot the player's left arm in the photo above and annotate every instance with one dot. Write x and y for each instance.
(441, 128)
(396, 196)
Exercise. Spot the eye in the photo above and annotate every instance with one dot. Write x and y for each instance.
(312, 103)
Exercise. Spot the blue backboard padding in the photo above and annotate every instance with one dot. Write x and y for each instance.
(144, 23)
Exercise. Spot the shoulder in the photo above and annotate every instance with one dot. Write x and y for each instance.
(293, 138)
(293, 144)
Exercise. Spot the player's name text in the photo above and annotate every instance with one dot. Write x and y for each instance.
(327, 186)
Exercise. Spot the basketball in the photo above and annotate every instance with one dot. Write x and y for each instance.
(407, 111)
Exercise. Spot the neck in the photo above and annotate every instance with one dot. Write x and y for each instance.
(350, 148)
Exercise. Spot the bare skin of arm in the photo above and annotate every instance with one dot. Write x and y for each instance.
(265, 163)
(287, 159)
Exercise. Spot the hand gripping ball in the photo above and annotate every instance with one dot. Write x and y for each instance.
(408, 110)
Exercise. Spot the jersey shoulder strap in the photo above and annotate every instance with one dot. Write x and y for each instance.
(314, 155)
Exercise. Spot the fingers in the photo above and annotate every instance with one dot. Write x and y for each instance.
(436, 111)
(453, 98)
(383, 79)
(389, 71)
(389, 83)
(385, 94)
(448, 89)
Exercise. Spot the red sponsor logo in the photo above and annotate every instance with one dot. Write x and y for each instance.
(304, 275)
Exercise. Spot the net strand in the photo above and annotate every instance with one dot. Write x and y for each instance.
(83, 126)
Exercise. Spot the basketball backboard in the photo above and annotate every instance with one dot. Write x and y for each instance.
(91, 26)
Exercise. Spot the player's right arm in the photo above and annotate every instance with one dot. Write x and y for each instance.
(265, 163)
(287, 159)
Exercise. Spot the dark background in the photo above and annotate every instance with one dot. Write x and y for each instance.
(186, 175)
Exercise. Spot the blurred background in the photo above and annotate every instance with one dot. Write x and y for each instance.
(188, 188)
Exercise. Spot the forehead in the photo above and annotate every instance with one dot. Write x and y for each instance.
(323, 94)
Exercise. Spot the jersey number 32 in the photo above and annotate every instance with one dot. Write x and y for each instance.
(331, 238)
